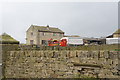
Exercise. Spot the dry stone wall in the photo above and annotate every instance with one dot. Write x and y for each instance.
(61, 64)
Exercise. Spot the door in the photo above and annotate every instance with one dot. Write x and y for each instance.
(31, 42)
(44, 42)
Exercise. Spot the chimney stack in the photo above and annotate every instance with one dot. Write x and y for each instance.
(47, 25)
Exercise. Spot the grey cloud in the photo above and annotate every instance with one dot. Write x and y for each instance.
(91, 19)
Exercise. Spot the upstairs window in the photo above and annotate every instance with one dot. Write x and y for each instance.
(60, 34)
(43, 34)
(31, 33)
(54, 34)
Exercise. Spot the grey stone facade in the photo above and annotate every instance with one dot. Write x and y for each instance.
(39, 35)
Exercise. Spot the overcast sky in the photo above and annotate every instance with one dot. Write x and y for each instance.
(86, 19)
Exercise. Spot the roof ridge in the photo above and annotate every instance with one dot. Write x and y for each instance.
(46, 28)
(43, 26)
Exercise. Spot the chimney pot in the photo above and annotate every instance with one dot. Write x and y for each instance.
(47, 25)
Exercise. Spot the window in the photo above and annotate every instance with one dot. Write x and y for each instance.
(54, 34)
(60, 34)
(43, 34)
(31, 42)
(31, 33)
(44, 42)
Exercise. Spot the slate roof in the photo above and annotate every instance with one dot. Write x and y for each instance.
(47, 29)
(71, 36)
(5, 38)
(110, 36)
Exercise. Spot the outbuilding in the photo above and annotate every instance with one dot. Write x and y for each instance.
(7, 39)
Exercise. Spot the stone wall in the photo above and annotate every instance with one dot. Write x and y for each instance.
(61, 64)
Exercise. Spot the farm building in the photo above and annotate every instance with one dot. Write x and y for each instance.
(114, 38)
(39, 35)
(94, 41)
(116, 34)
(7, 39)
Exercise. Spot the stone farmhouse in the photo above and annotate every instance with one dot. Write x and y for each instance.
(39, 35)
